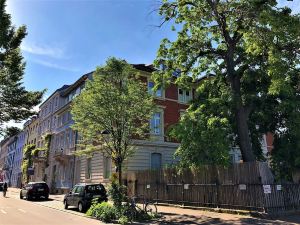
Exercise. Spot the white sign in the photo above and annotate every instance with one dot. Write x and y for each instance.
(186, 186)
(279, 187)
(242, 187)
(267, 189)
(148, 186)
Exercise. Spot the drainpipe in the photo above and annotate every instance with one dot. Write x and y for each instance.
(74, 160)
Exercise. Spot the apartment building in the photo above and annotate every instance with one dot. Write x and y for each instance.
(153, 153)
(3, 158)
(11, 150)
(64, 167)
(16, 175)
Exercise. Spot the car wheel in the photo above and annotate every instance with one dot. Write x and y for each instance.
(80, 207)
(28, 197)
(46, 197)
(21, 196)
(66, 204)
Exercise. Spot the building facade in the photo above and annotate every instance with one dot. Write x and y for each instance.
(3, 160)
(16, 177)
(63, 170)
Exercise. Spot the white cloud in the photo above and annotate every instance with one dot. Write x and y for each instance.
(44, 50)
(294, 5)
(54, 65)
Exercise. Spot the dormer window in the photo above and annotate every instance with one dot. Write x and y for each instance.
(184, 96)
(157, 93)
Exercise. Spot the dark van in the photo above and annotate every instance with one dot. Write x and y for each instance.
(82, 195)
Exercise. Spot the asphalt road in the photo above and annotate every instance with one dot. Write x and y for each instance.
(14, 211)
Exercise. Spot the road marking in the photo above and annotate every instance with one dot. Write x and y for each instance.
(3, 211)
(21, 210)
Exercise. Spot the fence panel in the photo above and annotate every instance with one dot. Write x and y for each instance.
(237, 187)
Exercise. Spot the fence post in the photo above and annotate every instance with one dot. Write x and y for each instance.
(217, 193)
(182, 193)
(157, 191)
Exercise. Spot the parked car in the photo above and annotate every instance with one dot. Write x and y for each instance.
(35, 190)
(82, 195)
(1, 186)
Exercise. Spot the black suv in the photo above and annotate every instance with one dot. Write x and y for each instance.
(35, 190)
(82, 195)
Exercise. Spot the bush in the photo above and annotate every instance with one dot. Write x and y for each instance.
(123, 220)
(103, 211)
(117, 193)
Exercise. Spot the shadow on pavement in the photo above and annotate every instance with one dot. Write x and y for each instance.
(170, 218)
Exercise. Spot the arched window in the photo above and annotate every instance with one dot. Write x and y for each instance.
(156, 161)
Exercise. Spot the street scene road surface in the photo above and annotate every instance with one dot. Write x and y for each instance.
(14, 211)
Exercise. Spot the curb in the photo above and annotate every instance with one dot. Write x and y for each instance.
(220, 210)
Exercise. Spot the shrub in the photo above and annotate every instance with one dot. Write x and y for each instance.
(123, 220)
(118, 194)
(103, 211)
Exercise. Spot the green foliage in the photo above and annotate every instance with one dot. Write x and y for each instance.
(204, 130)
(251, 49)
(15, 102)
(123, 220)
(103, 211)
(27, 161)
(117, 108)
(11, 131)
(117, 194)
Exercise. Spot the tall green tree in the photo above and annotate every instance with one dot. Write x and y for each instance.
(112, 111)
(251, 47)
(15, 102)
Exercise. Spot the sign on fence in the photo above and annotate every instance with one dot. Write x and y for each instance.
(186, 186)
(267, 189)
(278, 187)
(242, 187)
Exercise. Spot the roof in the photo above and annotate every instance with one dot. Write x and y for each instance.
(76, 83)
(143, 67)
(57, 90)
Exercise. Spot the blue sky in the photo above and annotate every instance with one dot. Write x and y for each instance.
(67, 38)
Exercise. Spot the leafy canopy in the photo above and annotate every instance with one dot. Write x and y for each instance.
(15, 102)
(113, 109)
(250, 50)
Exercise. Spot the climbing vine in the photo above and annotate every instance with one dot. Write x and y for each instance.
(27, 161)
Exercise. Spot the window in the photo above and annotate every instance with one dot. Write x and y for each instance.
(158, 92)
(155, 161)
(107, 167)
(184, 96)
(88, 168)
(155, 124)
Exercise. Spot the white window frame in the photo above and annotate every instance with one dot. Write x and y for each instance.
(162, 123)
(184, 99)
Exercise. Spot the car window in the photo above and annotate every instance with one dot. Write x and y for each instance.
(79, 190)
(95, 189)
(40, 185)
(74, 189)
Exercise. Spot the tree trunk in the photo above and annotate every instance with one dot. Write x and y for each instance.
(244, 135)
(120, 173)
(241, 117)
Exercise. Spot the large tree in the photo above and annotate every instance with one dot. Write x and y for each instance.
(112, 111)
(15, 102)
(251, 49)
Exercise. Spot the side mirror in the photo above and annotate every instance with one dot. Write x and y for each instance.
(70, 192)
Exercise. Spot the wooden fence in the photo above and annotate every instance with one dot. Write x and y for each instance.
(236, 187)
